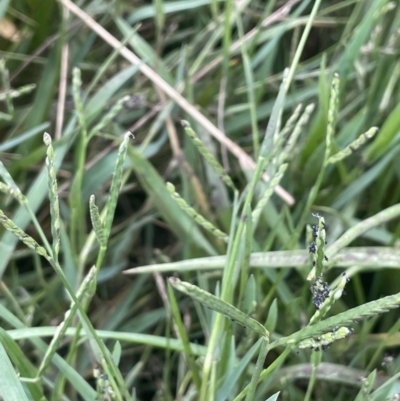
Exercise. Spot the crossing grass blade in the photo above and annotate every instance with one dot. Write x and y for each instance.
(26, 369)
(184, 337)
(87, 290)
(379, 257)
(355, 231)
(258, 368)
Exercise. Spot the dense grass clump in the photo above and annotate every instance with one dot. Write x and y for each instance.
(196, 202)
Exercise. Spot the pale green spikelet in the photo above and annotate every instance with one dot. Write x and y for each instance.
(14, 192)
(207, 155)
(281, 137)
(290, 123)
(13, 93)
(325, 340)
(103, 386)
(6, 87)
(7, 178)
(321, 291)
(53, 195)
(198, 218)
(350, 316)
(332, 113)
(317, 248)
(10, 226)
(96, 221)
(272, 183)
(320, 243)
(116, 184)
(217, 304)
(328, 302)
(112, 113)
(294, 136)
(356, 144)
(76, 91)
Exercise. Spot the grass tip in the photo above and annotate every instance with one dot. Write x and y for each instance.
(129, 135)
(170, 187)
(310, 107)
(174, 280)
(47, 139)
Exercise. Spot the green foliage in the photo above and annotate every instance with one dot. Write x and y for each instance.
(191, 146)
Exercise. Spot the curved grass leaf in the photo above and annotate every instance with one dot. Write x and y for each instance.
(211, 301)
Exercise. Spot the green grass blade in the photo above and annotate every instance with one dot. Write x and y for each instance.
(258, 368)
(248, 72)
(10, 386)
(23, 365)
(20, 139)
(184, 337)
(76, 380)
(354, 232)
(85, 290)
(230, 381)
(379, 257)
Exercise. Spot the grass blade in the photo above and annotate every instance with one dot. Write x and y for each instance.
(10, 386)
